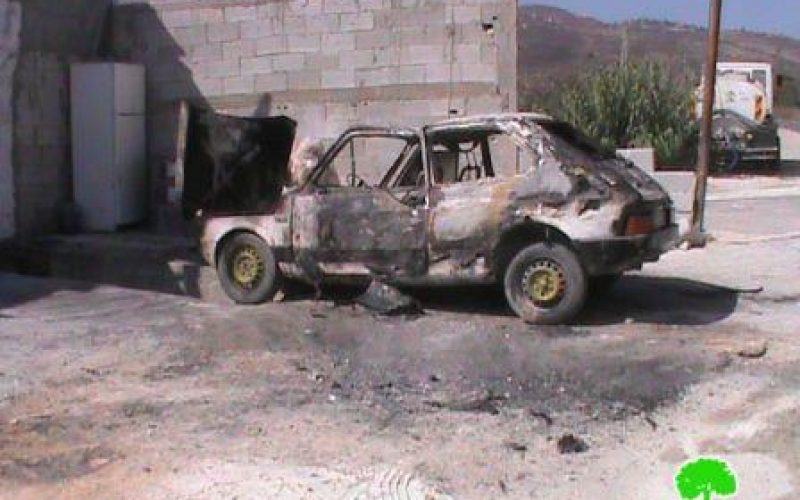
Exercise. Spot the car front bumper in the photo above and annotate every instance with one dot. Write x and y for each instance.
(620, 254)
(760, 154)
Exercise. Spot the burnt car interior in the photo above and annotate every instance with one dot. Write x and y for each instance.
(470, 155)
(392, 161)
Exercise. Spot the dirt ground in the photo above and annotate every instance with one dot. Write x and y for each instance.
(113, 393)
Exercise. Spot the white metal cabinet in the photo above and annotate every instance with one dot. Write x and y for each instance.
(109, 144)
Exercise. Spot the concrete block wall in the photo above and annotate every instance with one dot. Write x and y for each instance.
(326, 63)
(51, 36)
(10, 19)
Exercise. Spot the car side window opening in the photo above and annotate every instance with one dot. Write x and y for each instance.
(509, 158)
(461, 156)
(468, 156)
(363, 161)
(409, 172)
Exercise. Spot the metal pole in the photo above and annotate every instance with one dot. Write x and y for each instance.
(697, 237)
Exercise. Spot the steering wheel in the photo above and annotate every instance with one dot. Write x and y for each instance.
(466, 173)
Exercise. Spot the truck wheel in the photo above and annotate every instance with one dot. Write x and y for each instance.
(545, 284)
(247, 270)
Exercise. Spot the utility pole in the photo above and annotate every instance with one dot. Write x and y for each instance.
(697, 237)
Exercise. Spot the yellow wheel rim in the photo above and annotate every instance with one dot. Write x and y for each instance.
(544, 283)
(247, 267)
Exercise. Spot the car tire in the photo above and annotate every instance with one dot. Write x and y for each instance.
(247, 270)
(545, 284)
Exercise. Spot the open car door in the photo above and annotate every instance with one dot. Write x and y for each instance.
(346, 221)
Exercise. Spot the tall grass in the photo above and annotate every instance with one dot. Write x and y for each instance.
(634, 105)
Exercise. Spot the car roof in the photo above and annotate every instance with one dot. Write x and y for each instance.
(494, 118)
(465, 121)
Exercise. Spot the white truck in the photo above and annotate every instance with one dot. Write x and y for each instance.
(744, 128)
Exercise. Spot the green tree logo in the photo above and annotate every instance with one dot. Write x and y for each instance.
(705, 477)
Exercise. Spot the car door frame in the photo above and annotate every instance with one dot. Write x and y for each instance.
(319, 244)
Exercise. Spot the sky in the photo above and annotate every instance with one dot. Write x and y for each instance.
(770, 16)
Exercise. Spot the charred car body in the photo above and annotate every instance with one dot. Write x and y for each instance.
(520, 200)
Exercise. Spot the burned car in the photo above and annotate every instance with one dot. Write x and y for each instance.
(519, 200)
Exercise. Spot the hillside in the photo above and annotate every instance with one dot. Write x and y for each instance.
(557, 46)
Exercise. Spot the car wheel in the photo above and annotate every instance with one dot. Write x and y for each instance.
(247, 269)
(545, 284)
(598, 285)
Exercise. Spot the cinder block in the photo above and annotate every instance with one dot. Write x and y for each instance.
(432, 16)
(293, 25)
(408, 74)
(240, 13)
(322, 23)
(422, 35)
(273, 82)
(339, 79)
(322, 62)
(442, 107)
(337, 42)
(239, 85)
(223, 32)
(356, 59)
(238, 49)
(467, 14)
(289, 62)
(425, 54)
(206, 53)
(270, 9)
(375, 39)
(340, 6)
(468, 53)
(275, 44)
(477, 73)
(341, 112)
(368, 5)
(439, 73)
(363, 21)
(303, 43)
(176, 18)
(389, 56)
(256, 65)
(193, 35)
(373, 77)
(207, 16)
(488, 54)
(219, 69)
(252, 30)
(304, 80)
(306, 7)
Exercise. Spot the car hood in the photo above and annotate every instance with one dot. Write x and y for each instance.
(235, 164)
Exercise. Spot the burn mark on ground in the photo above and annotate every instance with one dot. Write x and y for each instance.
(56, 467)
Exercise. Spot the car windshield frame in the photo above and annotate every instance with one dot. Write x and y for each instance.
(327, 158)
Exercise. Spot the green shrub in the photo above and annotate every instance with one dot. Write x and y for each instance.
(634, 105)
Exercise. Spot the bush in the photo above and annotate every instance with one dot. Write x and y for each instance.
(634, 105)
